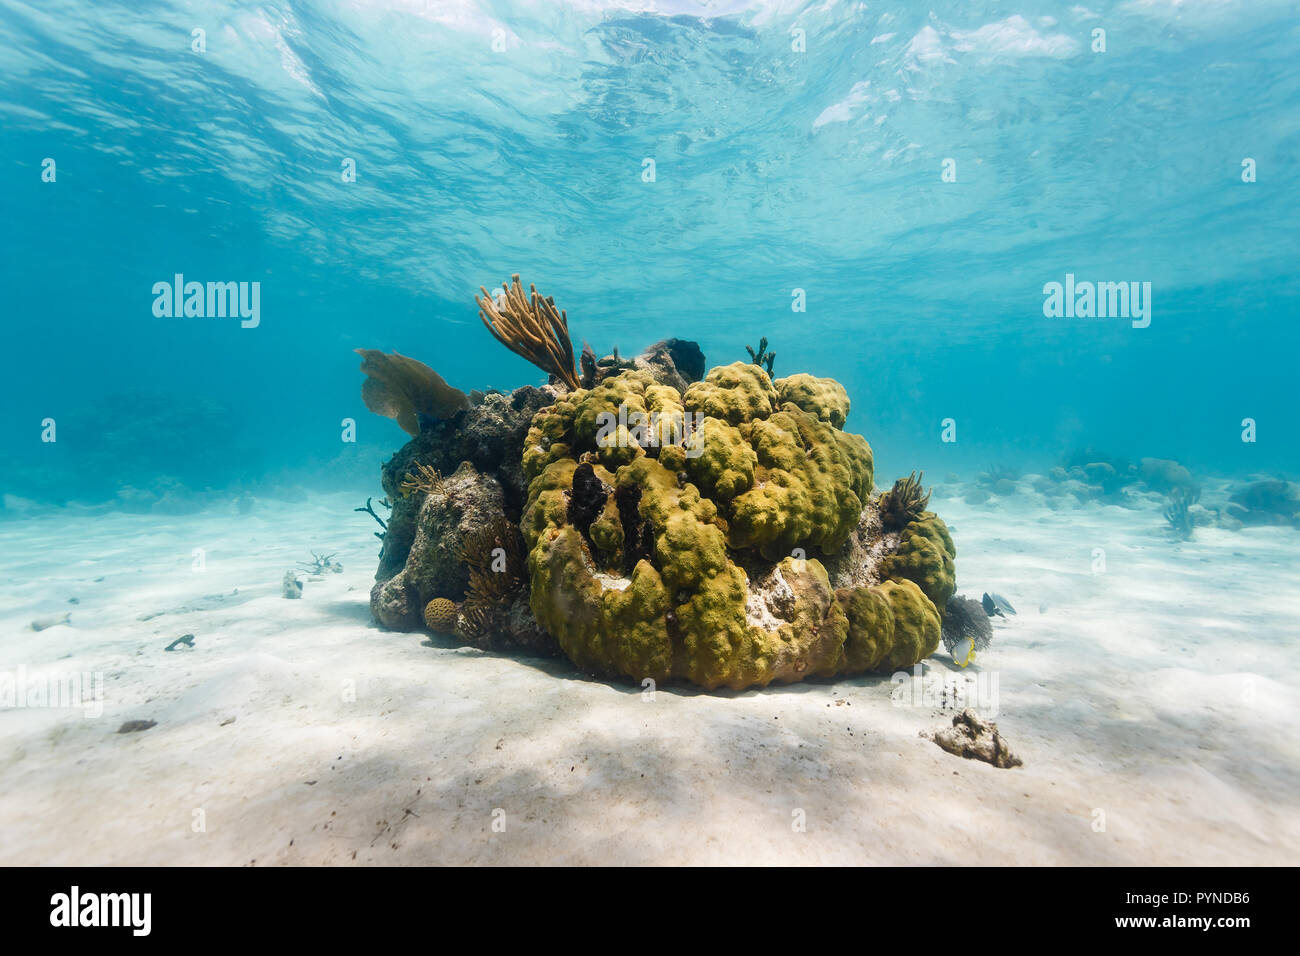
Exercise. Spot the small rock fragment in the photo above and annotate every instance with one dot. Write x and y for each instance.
(976, 739)
(291, 585)
(52, 620)
(134, 726)
(186, 640)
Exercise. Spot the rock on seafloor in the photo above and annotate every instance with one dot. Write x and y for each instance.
(135, 726)
(460, 506)
(973, 737)
(52, 620)
(290, 586)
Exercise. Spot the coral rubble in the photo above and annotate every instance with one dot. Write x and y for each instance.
(974, 738)
(320, 564)
(290, 586)
(1091, 475)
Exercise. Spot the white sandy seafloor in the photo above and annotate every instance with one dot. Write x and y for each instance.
(1153, 704)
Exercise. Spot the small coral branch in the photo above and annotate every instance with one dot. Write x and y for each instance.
(371, 511)
(320, 563)
(762, 358)
(1178, 511)
(530, 327)
(426, 481)
(903, 503)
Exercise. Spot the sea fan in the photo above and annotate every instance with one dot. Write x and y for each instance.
(403, 389)
(966, 628)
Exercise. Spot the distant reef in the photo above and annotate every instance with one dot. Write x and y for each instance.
(649, 519)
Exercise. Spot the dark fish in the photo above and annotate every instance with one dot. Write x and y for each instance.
(996, 604)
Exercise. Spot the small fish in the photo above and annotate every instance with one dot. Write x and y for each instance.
(963, 652)
(996, 604)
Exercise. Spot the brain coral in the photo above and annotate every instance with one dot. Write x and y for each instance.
(676, 535)
(440, 615)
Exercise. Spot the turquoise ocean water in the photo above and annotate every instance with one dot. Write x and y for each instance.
(913, 174)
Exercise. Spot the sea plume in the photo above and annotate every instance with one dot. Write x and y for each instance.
(903, 503)
(530, 327)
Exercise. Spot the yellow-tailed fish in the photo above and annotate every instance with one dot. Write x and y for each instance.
(964, 652)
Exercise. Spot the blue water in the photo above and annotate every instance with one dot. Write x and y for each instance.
(498, 137)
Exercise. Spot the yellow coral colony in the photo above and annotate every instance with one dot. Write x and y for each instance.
(713, 567)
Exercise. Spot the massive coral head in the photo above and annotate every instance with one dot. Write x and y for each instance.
(748, 554)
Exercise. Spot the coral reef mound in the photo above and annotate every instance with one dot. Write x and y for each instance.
(731, 541)
(658, 522)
